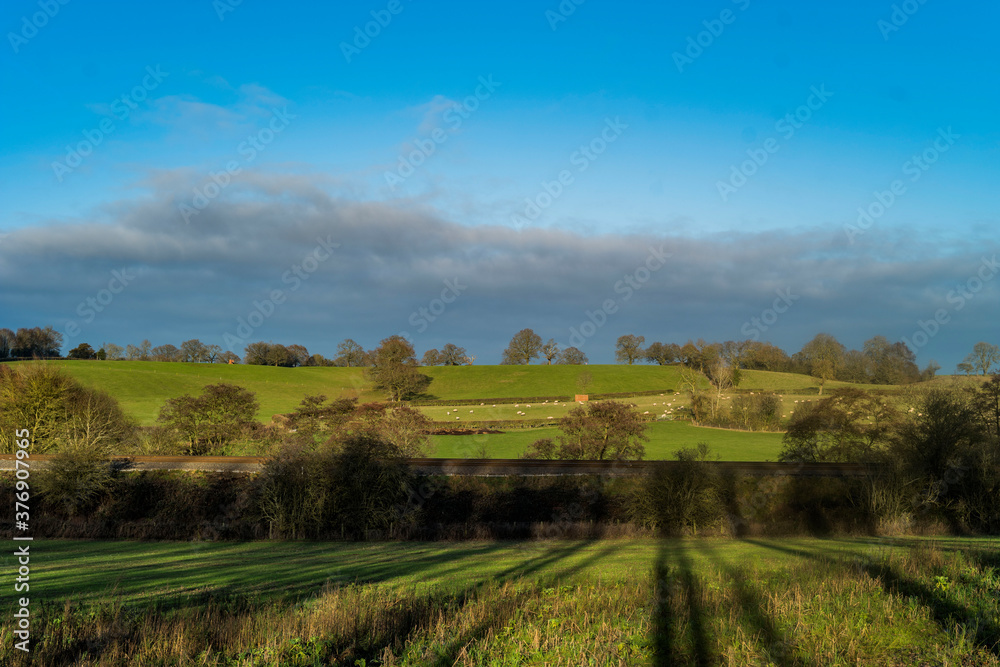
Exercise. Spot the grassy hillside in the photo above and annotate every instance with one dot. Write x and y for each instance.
(462, 382)
(665, 438)
(142, 387)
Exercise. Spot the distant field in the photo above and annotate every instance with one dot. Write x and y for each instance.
(143, 386)
(665, 438)
(464, 382)
(801, 601)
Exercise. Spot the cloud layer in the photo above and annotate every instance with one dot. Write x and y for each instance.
(279, 258)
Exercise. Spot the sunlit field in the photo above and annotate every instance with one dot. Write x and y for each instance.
(621, 602)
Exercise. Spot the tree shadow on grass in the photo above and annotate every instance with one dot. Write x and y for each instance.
(428, 610)
(946, 613)
(386, 627)
(677, 594)
(504, 608)
(751, 601)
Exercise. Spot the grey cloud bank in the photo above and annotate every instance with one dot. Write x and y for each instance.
(392, 259)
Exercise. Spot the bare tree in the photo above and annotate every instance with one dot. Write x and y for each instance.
(452, 355)
(983, 357)
(299, 355)
(229, 357)
(350, 353)
(572, 356)
(7, 339)
(395, 369)
(114, 352)
(629, 348)
(193, 351)
(166, 352)
(720, 375)
(523, 347)
(550, 350)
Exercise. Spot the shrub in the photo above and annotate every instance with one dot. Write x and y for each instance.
(680, 496)
(74, 479)
(599, 430)
(543, 448)
(60, 412)
(400, 425)
(755, 412)
(369, 485)
(345, 491)
(223, 413)
(293, 493)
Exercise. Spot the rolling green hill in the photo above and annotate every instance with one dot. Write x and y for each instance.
(142, 387)
(665, 438)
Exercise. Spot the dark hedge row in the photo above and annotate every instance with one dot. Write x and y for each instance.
(222, 506)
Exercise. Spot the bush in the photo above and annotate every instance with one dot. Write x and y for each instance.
(598, 430)
(222, 414)
(681, 496)
(953, 461)
(369, 485)
(348, 491)
(293, 493)
(75, 479)
(60, 412)
(755, 412)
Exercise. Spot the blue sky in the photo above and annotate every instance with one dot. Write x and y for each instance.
(550, 150)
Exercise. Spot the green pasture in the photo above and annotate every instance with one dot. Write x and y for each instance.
(802, 601)
(665, 438)
(90, 570)
(142, 387)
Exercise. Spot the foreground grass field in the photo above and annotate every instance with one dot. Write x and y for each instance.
(618, 602)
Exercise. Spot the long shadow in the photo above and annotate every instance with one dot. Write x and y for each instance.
(692, 590)
(734, 514)
(672, 584)
(542, 561)
(985, 558)
(750, 600)
(423, 611)
(502, 613)
(944, 611)
(581, 565)
(499, 614)
(287, 583)
(396, 624)
(664, 624)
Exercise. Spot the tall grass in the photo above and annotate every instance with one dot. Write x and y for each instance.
(699, 603)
